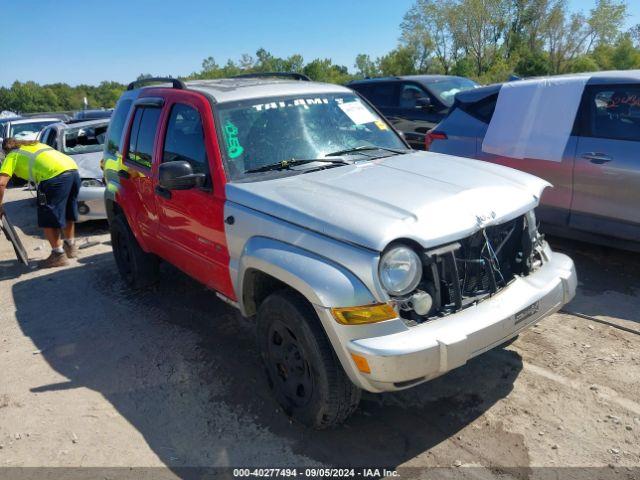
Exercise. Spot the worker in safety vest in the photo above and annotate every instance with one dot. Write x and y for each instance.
(58, 181)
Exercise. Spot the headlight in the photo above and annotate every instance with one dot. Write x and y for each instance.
(400, 270)
(91, 182)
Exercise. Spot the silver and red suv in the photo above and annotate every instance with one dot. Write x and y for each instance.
(364, 264)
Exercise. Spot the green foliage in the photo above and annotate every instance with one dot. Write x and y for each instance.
(400, 61)
(532, 64)
(584, 63)
(29, 97)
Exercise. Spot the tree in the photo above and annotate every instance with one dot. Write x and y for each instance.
(532, 63)
(625, 56)
(479, 26)
(365, 67)
(400, 61)
(605, 20)
(635, 35)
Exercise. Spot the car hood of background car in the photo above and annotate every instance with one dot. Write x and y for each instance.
(88, 164)
(430, 198)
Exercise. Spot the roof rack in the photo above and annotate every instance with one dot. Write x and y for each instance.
(179, 84)
(293, 75)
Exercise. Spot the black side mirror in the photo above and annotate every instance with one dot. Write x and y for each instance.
(423, 103)
(178, 175)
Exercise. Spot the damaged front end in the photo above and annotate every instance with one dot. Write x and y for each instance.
(461, 274)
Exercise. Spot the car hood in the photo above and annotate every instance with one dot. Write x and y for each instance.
(427, 197)
(88, 164)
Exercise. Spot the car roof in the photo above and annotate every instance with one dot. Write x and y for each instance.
(594, 78)
(83, 123)
(234, 89)
(415, 78)
(35, 119)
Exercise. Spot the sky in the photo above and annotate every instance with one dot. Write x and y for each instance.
(87, 41)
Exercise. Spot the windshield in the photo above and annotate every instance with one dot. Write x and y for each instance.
(264, 131)
(446, 90)
(28, 131)
(84, 139)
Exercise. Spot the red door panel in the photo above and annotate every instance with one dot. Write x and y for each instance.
(191, 232)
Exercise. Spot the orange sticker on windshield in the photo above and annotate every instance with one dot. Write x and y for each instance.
(381, 125)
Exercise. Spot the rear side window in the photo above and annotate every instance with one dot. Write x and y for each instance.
(116, 126)
(49, 137)
(143, 134)
(614, 112)
(482, 109)
(381, 94)
(185, 138)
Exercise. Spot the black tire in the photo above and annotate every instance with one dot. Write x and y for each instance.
(137, 268)
(291, 339)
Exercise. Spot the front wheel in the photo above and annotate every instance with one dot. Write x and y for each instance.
(302, 369)
(137, 268)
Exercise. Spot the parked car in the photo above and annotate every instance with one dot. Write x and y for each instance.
(24, 128)
(596, 173)
(366, 265)
(84, 142)
(414, 104)
(91, 114)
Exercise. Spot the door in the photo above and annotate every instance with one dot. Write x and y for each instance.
(607, 167)
(136, 194)
(555, 203)
(191, 223)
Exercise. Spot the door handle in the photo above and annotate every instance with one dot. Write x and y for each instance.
(123, 174)
(597, 158)
(163, 192)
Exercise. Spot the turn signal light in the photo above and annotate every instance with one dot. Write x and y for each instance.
(365, 314)
(361, 363)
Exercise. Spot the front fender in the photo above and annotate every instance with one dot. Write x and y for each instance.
(320, 280)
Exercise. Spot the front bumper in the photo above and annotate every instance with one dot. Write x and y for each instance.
(420, 353)
(91, 204)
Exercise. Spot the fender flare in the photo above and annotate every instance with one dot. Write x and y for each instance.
(320, 280)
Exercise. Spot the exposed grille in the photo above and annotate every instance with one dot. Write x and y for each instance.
(462, 273)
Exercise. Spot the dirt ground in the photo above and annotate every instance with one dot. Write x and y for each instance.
(92, 374)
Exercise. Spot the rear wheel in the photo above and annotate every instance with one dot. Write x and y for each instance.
(137, 268)
(303, 371)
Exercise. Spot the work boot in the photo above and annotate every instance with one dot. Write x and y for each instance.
(70, 249)
(54, 260)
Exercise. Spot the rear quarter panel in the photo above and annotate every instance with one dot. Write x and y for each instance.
(462, 131)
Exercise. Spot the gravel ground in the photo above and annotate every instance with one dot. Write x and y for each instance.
(94, 375)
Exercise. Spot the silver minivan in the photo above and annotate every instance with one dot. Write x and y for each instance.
(596, 194)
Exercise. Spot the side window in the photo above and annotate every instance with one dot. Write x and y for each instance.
(49, 137)
(185, 138)
(382, 94)
(409, 95)
(614, 112)
(117, 126)
(482, 109)
(143, 134)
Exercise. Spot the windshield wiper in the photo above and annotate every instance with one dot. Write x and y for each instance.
(364, 148)
(287, 164)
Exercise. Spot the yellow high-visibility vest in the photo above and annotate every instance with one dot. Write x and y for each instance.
(37, 162)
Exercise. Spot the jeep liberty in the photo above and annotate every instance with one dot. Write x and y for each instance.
(365, 265)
